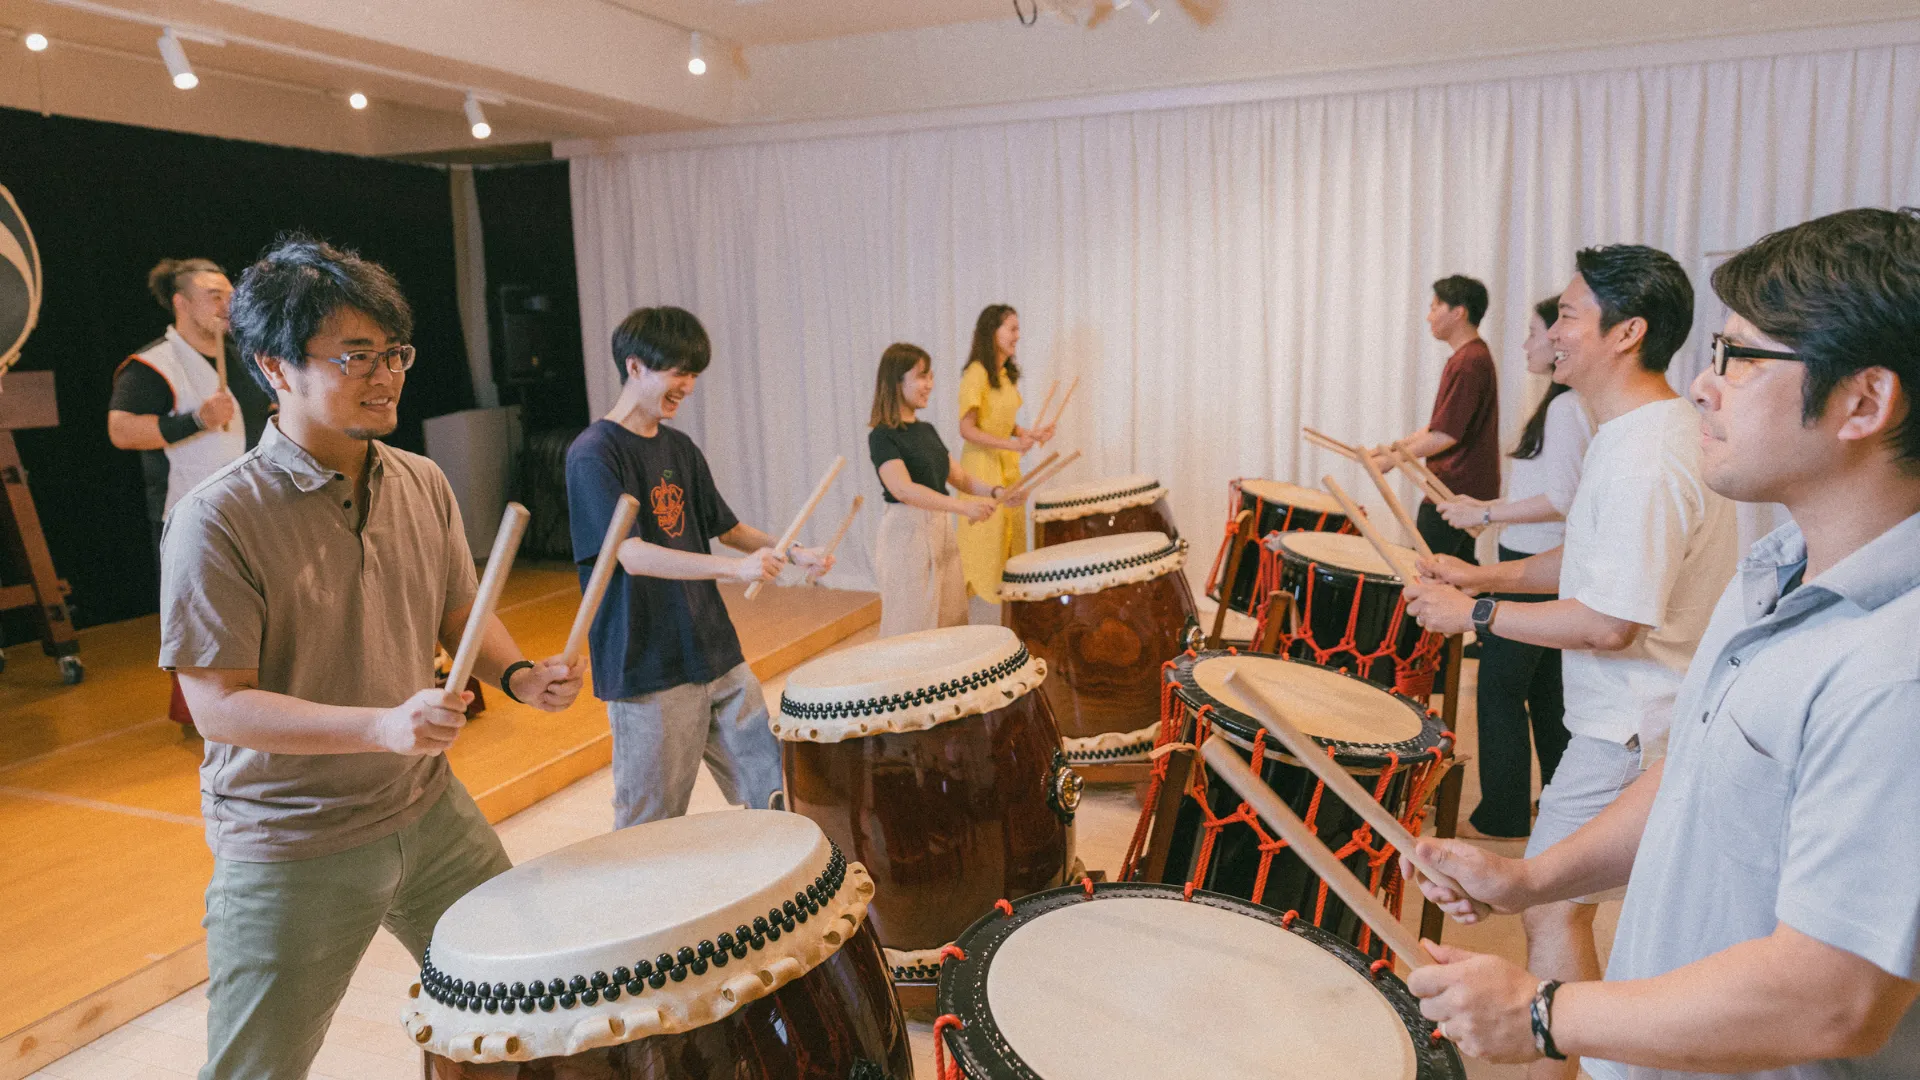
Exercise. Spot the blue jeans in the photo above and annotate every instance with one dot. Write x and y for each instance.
(659, 740)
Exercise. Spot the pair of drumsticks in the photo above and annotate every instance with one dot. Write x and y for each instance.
(1429, 484)
(1040, 417)
(1226, 763)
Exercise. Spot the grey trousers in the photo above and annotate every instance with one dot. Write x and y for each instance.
(283, 938)
(659, 740)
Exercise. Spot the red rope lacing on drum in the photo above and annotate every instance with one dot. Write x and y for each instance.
(1003, 907)
(942, 1068)
(1413, 674)
(1411, 784)
(951, 952)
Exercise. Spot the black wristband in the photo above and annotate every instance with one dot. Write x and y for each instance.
(1541, 1015)
(506, 678)
(175, 428)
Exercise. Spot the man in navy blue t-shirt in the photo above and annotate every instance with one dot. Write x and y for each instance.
(666, 659)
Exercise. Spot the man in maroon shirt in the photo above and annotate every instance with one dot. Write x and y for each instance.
(1462, 441)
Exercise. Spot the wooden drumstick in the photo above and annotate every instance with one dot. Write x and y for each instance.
(1328, 442)
(1267, 710)
(841, 533)
(505, 543)
(1226, 764)
(1064, 398)
(1044, 462)
(1041, 412)
(1429, 483)
(1041, 476)
(793, 531)
(1354, 514)
(624, 512)
(1393, 505)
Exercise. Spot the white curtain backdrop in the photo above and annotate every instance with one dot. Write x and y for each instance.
(1217, 276)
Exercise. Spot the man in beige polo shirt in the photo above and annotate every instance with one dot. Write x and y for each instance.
(303, 588)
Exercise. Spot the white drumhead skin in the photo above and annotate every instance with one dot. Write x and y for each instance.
(1346, 551)
(1279, 491)
(1323, 702)
(629, 895)
(1076, 566)
(905, 664)
(1089, 497)
(1136, 987)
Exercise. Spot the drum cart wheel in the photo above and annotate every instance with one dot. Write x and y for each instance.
(71, 670)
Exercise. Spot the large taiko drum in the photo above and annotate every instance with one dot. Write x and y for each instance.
(1392, 746)
(1277, 507)
(1347, 612)
(1119, 504)
(932, 758)
(1138, 980)
(725, 945)
(1104, 614)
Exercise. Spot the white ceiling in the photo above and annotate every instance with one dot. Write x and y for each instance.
(779, 22)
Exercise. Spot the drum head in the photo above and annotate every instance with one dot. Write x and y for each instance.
(1138, 982)
(1087, 566)
(1346, 552)
(906, 683)
(596, 923)
(1282, 493)
(1062, 502)
(1327, 704)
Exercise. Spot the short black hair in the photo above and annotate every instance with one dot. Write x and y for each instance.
(1843, 292)
(165, 279)
(664, 339)
(298, 283)
(1463, 291)
(1635, 281)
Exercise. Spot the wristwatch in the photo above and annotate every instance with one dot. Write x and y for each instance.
(1540, 1019)
(1483, 609)
(1486, 514)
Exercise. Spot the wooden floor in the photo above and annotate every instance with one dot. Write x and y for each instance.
(102, 857)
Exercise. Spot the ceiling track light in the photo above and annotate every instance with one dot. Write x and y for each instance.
(175, 58)
(357, 100)
(35, 42)
(696, 55)
(476, 119)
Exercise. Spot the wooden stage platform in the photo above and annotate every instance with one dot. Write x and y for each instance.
(103, 861)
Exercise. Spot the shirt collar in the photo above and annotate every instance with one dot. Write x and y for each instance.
(291, 458)
(1885, 567)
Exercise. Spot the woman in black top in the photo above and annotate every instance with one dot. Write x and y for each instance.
(917, 559)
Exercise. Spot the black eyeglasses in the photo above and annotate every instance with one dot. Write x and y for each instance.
(1723, 352)
(360, 363)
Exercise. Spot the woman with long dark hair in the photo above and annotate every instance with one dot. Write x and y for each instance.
(917, 559)
(1520, 698)
(989, 410)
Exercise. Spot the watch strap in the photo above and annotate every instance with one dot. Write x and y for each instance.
(1541, 1018)
(506, 678)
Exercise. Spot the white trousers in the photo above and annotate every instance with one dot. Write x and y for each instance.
(917, 560)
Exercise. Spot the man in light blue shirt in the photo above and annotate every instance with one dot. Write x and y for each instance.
(1772, 863)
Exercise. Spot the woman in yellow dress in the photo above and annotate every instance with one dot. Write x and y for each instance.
(994, 440)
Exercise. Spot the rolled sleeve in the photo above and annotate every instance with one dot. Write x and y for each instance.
(1639, 544)
(1848, 877)
(212, 605)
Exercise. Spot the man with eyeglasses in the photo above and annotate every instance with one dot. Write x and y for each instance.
(1772, 920)
(1647, 548)
(303, 589)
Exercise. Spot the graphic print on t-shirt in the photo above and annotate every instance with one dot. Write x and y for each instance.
(669, 505)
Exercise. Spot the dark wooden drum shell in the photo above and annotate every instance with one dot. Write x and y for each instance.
(946, 820)
(1326, 596)
(1155, 516)
(836, 1022)
(1104, 650)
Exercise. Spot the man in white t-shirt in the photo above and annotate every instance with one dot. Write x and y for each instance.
(1648, 549)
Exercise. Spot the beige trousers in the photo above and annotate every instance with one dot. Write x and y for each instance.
(917, 561)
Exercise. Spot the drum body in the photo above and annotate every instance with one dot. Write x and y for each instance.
(1277, 507)
(1348, 613)
(836, 1022)
(1137, 980)
(1104, 614)
(1122, 504)
(947, 817)
(720, 946)
(1394, 748)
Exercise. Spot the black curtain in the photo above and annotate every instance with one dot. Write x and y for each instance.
(526, 212)
(106, 202)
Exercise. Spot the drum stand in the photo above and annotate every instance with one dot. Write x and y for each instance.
(29, 403)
